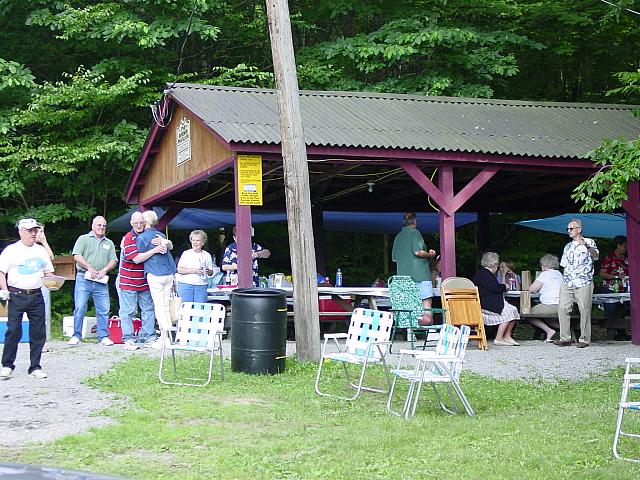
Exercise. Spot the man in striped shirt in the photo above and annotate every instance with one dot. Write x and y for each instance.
(134, 290)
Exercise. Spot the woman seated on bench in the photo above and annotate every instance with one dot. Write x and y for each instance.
(548, 284)
(495, 310)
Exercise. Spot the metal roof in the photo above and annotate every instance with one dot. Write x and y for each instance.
(391, 121)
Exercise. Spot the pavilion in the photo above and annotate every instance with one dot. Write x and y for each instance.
(381, 152)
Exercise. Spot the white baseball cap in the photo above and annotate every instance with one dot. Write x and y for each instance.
(28, 223)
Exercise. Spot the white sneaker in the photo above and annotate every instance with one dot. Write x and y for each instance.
(5, 373)
(130, 345)
(39, 374)
(106, 341)
(73, 341)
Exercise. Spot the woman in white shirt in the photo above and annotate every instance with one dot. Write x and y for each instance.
(194, 269)
(548, 284)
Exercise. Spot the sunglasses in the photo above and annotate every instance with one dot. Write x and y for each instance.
(572, 228)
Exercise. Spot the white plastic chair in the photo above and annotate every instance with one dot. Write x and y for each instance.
(199, 330)
(367, 342)
(630, 383)
(441, 366)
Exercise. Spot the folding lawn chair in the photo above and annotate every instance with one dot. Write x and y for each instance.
(630, 383)
(199, 330)
(407, 309)
(366, 343)
(442, 366)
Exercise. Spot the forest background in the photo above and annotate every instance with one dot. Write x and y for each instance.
(77, 79)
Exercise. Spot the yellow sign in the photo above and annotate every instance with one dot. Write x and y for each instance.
(249, 180)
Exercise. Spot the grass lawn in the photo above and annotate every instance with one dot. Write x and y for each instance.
(268, 427)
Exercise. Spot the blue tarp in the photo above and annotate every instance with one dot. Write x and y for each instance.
(367, 222)
(603, 225)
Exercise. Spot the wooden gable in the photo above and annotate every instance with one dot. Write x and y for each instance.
(165, 174)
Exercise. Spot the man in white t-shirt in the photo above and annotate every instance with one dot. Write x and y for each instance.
(22, 266)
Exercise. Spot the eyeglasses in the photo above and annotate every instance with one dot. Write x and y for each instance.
(572, 228)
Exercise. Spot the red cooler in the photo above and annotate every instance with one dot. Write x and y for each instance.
(115, 328)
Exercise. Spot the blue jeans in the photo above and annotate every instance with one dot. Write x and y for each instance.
(192, 293)
(100, 294)
(33, 305)
(129, 301)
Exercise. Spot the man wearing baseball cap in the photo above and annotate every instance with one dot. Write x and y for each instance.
(22, 266)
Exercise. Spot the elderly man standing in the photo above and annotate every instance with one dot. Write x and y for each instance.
(95, 255)
(22, 266)
(134, 289)
(577, 259)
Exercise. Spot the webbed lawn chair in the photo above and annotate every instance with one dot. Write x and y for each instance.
(366, 342)
(441, 366)
(199, 330)
(462, 307)
(408, 309)
(630, 383)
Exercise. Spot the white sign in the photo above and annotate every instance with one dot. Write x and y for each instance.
(183, 141)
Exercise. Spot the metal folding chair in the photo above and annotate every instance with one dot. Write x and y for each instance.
(366, 343)
(199, 330)
(630, 383)
(439, 367)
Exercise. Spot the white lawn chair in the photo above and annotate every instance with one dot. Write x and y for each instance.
(367, 342)
(630, 383)
(441, 366)
(199, 329)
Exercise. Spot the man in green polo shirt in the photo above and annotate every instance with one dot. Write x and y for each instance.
(95, 255)
(412, 259)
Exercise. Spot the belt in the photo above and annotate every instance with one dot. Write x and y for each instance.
(24, 291)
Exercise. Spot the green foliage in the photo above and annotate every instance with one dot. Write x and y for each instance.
(69, 138)
(420, 54)
(619, 162)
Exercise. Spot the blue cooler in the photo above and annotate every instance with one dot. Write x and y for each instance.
(25, 330)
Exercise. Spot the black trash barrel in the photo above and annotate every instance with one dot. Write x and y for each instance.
(258, 330)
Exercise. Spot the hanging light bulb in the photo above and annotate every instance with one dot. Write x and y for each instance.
(370, 185)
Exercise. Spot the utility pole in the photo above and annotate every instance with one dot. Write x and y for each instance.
(296, 184)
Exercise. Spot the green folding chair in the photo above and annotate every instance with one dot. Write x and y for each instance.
(407, 309)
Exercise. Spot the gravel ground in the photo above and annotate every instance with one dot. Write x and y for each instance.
(44, 410)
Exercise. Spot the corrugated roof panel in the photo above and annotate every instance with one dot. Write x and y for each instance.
(370, 120)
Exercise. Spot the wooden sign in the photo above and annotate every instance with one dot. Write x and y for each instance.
(249, 179)
(183, 141)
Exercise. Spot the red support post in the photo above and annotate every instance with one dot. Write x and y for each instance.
(632, 207)
(447, 225)
(243, 237)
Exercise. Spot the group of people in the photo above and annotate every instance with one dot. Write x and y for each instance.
(146, 277)
(558, 292)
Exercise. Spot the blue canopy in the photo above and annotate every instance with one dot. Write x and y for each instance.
(603, 225)
(366, 222)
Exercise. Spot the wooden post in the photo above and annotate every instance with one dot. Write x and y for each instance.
(525, 296)
(296, 184)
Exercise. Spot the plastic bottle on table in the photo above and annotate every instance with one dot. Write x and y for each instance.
(338, 278)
